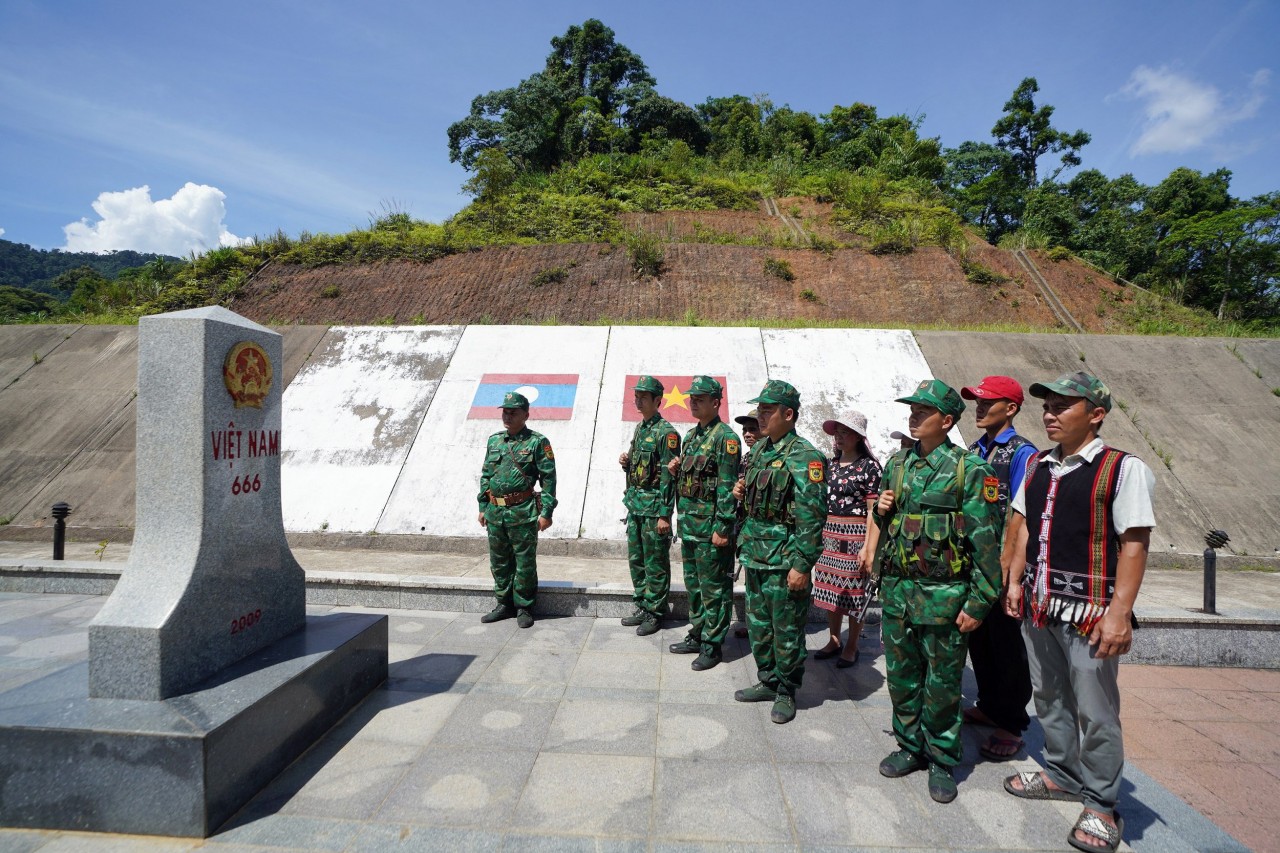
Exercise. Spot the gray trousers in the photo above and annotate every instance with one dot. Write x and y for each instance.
(1078, 701)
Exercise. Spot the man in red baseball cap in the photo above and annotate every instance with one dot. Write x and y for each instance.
(996, 649)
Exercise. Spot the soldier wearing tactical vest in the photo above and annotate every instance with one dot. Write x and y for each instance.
(937, 536)
(706, 471)
(785, 493)
(996, 649)
(513, 511)
(650, 499)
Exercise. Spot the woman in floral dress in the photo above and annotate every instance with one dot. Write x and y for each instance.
(839, 585)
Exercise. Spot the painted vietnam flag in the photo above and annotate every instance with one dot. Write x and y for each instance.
(551, 395)
(675, 400)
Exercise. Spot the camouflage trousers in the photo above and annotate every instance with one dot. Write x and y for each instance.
(513, 559)
(708, 578)
(924, 664)
(649, 558)
(775, 624)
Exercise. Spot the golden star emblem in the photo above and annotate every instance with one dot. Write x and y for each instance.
(675, 398)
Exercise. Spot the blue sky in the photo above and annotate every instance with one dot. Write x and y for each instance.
(241, 118)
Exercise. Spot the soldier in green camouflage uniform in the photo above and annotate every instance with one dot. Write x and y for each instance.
(706, 471)
(515, 460)
(785, 493)
(649, 499)
(938, 532)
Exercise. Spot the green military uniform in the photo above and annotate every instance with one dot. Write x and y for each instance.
(650, 496)
(786, 507)
(708, 472)
(513, 465)
(939, 554)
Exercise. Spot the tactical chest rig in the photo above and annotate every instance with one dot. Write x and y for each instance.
(770, 494)
(927, 544)
(699, 472)
(642, 466)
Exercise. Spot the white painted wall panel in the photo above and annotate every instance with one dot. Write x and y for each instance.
(735, 354)
(351, 415)
(435, 494)
(840, 369)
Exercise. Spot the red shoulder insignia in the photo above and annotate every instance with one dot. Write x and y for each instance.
(546, 448)
(990, 489)
(673, 441)
(816, 473)
(731, 446)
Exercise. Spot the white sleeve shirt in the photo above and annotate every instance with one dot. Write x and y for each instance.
(1132, 505)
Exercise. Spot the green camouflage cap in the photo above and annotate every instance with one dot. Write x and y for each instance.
(936, 393)
(706, 385)
(648, 383)
(778, 393)
(515, 400)
(1079, 384)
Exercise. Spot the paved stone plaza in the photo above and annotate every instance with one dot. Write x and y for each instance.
(579, 735)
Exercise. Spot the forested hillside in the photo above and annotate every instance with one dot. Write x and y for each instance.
(580, 148)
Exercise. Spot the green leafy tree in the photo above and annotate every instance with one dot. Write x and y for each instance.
(1026, 133)
(1211, 246)
(984, 187)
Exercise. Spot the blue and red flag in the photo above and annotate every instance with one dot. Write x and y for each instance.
(551, 395)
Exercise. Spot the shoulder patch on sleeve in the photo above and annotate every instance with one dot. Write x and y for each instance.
(673, 441)
(546, 448)
(731, 446)
(816, 473)
(990, 489)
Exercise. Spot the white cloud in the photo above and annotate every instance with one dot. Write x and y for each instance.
(1182, 114)
(1, 232)
(191, 221)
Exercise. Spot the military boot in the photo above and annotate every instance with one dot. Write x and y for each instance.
(524, 618)
(497, 614)
(635, 618)
(710, 657)
(784, 709)
(942, 785)
(758, 692)
(687, 646)
(901, 763)
(649, 626)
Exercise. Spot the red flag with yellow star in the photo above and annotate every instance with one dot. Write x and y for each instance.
(674, 405)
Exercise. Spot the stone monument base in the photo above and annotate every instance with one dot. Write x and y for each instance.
(180, 766)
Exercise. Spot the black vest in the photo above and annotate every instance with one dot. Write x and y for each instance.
(1001, 461)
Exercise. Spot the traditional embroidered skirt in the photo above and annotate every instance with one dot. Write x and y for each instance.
(838, 585)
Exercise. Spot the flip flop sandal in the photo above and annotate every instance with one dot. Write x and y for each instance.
(1001, 748)
(1034, 788)
(973, 717)
(1095, 827)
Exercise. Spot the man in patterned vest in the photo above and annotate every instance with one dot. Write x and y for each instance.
(996, 649)
(785, 493)
(706, 471)
(940, 575)
(650, 499)
(1088, 520)
(513, 512)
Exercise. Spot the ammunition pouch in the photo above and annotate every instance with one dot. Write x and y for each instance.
(926, 545)
(698, 475)
(771, 495)
(643, 471)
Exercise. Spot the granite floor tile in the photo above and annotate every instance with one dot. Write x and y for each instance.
(1249, 706)
(351, 784)
(497, 722)
(688, 696)
(1252, 742)
(821, 734)
(531, 666)
(841, 805)
(564, 633)
(602, 726)
(283, 830)
(526, 843)
(85, 842)
(1198, 678)
(382, 837)
(609, 635)
(459, 788)
(630, 671)
(1257, 835)
(714, 732)
(467, 631)
(1156, 736)
(444, 663)
(1259, 680)
(395, 716)
(575, 794)
(1182, 703)
(24, 841)
(675, 674)
(718, 801)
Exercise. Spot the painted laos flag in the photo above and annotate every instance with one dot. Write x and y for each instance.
(550, 395)
(674, 405)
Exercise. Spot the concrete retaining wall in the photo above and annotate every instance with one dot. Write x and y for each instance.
(380, 435)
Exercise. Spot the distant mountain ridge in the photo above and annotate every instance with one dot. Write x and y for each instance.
(35, 269)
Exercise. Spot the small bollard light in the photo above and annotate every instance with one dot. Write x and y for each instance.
(1214, 539)
(60, 512)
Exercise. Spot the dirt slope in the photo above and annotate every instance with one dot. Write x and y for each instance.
(717, 283)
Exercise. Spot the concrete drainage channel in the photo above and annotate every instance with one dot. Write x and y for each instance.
(1166, 636)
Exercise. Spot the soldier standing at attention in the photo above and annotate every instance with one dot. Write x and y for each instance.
(513, 512)
(750, 423)
(650, 499)
(707, 469)
(996, 649)
(940, 576)
(785, 493)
